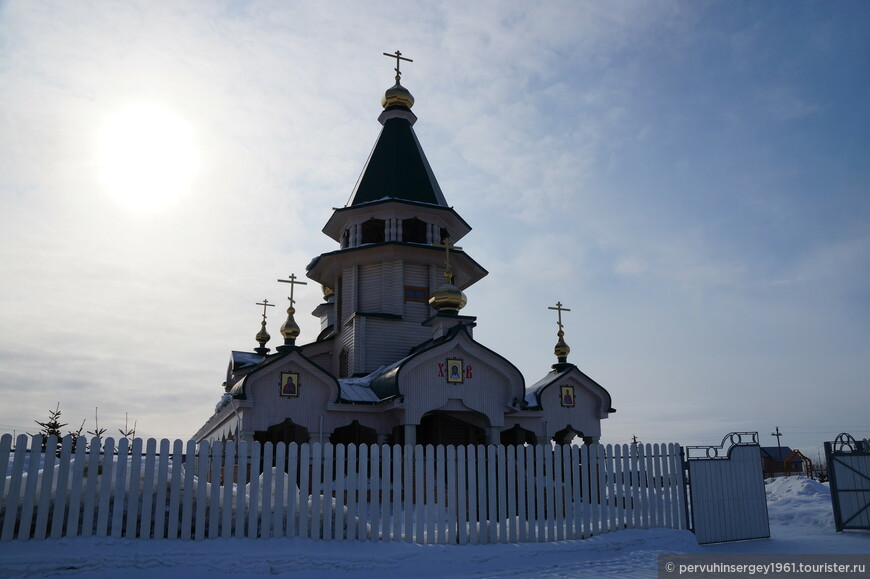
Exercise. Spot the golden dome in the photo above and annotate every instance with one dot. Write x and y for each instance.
(263, 336)
(290, 329)
(561, 350)
(448, 298)
(397, 95)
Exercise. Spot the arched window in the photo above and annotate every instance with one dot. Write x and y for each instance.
(343, 366)
(373, 231)
(414, 230)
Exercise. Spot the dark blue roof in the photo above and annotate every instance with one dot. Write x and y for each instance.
(397, 169)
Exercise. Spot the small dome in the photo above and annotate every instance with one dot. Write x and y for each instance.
(448, 298)
(397, 95)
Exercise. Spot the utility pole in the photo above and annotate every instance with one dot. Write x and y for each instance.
(777, 434)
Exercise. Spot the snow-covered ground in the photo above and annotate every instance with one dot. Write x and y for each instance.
(801, 522)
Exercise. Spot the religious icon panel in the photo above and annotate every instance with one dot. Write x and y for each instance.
(567, 396)
(454, 371)
(289, 384)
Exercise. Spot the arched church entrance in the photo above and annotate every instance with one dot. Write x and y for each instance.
(286, 432)
(354, 433)
(518, 436)
(445, 428)
(566, 435)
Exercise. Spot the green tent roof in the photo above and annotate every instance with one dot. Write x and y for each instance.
(397, 169)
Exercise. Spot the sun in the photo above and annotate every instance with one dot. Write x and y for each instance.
(147, 156)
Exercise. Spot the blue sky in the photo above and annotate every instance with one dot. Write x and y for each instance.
(690, 178)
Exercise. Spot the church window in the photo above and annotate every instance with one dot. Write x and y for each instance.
(373, 231)
(345, 238)
(416, 294)
(414, 231)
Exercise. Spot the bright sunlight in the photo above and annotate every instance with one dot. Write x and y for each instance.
(147, 156)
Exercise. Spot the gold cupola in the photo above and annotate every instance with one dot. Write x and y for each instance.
(397, 95)
(290, 329)
(561, 350)
(263, 336)
(448, 299)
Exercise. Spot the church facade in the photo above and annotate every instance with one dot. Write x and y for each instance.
(395, 361)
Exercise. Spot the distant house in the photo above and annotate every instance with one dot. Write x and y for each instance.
(783, 461)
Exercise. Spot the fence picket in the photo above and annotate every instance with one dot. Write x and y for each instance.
(361, 488)
(160, 488)
(59, 512)
(14, 495)
(429, 500)
(201, 499)
(396, 491)
(304, 507)
(459, 498)
(133, 493)
(502, 490)
(482, 496)
(293, 488)
(281, 490)
(491, 495)
(119, 488)
(214, 496)
(373, 493)
(144, 522)
(5, 455)
(511, 498)
(105, 487)
(316, 490)
(327, 512)
(46, 477)
(357, 461)
(265, 510)
(445, 495)
(254, 492)
(340, 498)
(417, 499)
(407, 491)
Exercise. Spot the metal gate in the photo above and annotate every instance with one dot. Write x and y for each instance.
(726, 489)
(849, 471)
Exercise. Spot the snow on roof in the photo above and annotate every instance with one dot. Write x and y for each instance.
(359, 389)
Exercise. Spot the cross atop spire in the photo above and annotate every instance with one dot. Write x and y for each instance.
(263, 336)
(559, 309)
(398, 56)
(265, 303)
(292, 281)
(447, 244)
(561, 350)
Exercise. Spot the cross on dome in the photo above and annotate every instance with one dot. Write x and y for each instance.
(447, 244)
(265, 303)
(398, 56)
(559, 309)
(292, 281)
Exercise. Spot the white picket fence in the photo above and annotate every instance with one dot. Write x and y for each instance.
(481, 494)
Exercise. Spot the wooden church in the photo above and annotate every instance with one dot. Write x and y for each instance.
(396, 362)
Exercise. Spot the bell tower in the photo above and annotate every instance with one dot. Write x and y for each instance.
(391, 236)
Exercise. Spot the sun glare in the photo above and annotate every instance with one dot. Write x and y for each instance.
(147, 156)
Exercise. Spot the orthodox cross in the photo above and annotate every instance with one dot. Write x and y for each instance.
(447, 244)
(292, 281)
(559, 309)
(398, 56)
(265, 303)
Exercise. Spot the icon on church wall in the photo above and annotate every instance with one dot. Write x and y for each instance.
(454, 371)
(567, 396)
(289, 384)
